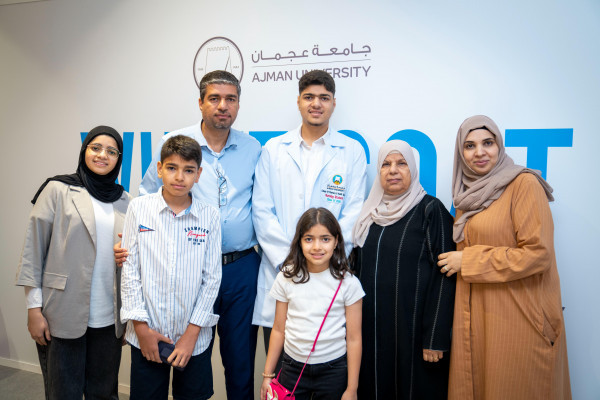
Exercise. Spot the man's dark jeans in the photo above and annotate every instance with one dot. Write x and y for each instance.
(150, 380)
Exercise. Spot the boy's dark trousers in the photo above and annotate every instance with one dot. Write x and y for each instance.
(150, 380)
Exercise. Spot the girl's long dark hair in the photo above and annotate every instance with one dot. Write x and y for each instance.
(294, 265)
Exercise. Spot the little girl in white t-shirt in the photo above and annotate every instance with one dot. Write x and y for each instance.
(304, 289)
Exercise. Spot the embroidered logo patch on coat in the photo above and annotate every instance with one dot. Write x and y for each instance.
(334, 192)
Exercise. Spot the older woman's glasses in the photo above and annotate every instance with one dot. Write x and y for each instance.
(110, 151)
(222, 188)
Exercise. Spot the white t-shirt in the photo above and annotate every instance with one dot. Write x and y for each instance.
(102, 309)
(307, 305)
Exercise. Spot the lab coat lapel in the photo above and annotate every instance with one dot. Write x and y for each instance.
(328, 155)
(293, 148)
(332, 143)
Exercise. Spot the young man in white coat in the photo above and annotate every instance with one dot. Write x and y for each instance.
(310, 166)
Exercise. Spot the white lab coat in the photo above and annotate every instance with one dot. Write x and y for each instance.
(278, 201)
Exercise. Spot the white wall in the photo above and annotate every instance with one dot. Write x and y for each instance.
(69, 65)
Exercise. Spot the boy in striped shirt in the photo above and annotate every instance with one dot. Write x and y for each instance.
(171, 279)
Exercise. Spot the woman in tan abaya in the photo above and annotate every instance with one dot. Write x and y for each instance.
(508, 333)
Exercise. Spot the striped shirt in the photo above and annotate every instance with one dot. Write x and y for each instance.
(173, 272)
(236, 162)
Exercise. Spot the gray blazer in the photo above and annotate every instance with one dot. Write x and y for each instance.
(59, 255)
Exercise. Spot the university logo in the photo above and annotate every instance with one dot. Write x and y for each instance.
(218, 53)
(337, 179)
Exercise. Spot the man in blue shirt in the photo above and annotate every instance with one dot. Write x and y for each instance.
(229, 158)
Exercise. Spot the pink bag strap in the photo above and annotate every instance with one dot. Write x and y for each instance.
(318, 333)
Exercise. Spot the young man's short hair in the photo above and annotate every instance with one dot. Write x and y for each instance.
(316, 77)
(219, 77)
(183, 146)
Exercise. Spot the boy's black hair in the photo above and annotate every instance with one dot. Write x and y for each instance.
(184, 146)
(316, 77)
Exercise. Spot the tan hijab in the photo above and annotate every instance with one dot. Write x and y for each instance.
(473, 193)
(384, 209)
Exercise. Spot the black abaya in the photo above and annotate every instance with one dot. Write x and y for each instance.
(408, 305)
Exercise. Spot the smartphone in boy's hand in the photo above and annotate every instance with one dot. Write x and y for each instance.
(165, 349)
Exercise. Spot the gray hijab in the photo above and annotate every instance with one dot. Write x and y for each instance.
(384, 209)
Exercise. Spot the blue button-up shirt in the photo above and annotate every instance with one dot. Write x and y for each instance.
(236, 162)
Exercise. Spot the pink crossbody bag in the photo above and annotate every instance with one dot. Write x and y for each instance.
(278, 390)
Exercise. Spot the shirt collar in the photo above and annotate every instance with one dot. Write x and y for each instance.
(325, 139)
(193, 209)
(232, 139)
(162, 204)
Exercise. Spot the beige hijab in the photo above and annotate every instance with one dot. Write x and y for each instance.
(384, 209)
(473, 193)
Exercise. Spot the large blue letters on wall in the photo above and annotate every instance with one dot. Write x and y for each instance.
(537, 142)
